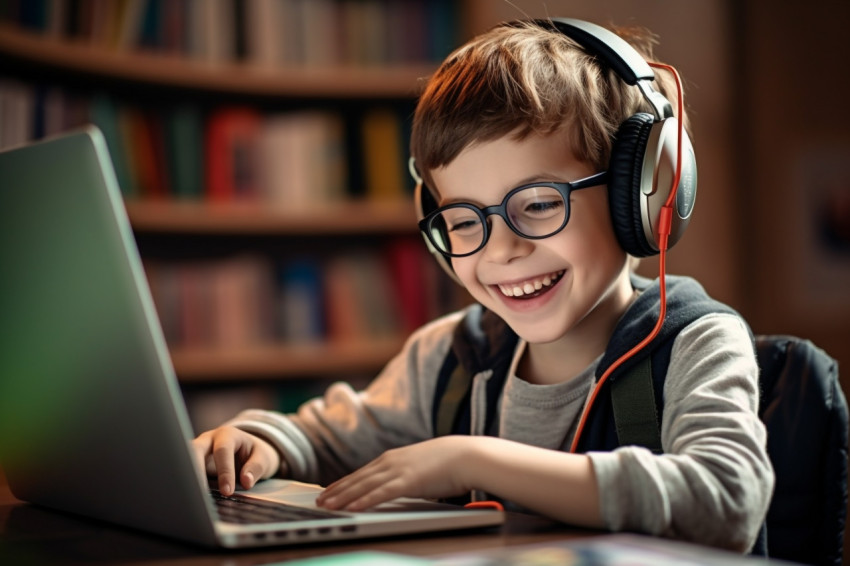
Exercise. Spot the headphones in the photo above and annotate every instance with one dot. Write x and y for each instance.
(643, 155)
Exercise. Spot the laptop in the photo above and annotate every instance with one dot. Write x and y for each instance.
(92, 420)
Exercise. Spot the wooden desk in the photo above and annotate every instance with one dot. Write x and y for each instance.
(32, 535)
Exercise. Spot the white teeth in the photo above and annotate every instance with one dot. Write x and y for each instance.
(531, 286)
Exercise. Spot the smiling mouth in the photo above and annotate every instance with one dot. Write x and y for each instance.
(532, 287)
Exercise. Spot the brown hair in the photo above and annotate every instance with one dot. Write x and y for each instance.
(520, 79)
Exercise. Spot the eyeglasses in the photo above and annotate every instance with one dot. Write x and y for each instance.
(534, 211)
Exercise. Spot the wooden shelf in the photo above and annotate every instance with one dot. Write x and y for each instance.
(203, 217)
(400, 81)
(280, 362)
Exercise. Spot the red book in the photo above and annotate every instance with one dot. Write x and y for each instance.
(405, 259)
(232, 155)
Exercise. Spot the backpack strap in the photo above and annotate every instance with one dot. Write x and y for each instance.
(635, 413)
(481, 341)
(454, 383)
(613, 421)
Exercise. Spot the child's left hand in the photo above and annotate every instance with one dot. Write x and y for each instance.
(430, 469)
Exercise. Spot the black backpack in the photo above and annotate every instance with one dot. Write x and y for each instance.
(805, 413)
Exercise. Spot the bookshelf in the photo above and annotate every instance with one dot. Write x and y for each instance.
(264, 363)
(341, 219)
(175, 71)
(62, 63)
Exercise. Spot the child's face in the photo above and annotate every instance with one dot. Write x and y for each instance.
(581, 271)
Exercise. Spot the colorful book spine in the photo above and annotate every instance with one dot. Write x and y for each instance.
(256, 32)
(382, 154)
(300, 306)
(232, 142)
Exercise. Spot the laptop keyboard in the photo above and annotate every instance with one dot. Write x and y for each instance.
(244, 510)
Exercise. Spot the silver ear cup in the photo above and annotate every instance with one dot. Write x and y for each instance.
(657, 176)
(641, 173)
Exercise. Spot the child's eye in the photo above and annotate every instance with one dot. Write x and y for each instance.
(544, 207)
(463, 226)
(461, 220)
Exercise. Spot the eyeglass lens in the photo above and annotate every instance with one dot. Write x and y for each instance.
(533, 212)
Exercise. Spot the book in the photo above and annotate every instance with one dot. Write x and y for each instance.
(345, 318)
(56, 17)
(103, 17)
(131, 20)
(300, 304)
(231, 153)
(384, 169)
(441, 23)
(174, 24)
(301, 159)
(210, 34)
(373, 289)
(144, 139)
(408, 33)
(184, 140)
(145, 24)
(408, 270)
(240, 301)
(359, 297)
(263, 46)
(320, 38)
(364, 28)
(195, 307)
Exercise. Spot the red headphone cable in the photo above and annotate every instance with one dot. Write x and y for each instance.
(665, 225)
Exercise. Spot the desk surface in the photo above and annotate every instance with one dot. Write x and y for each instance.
(32, 535)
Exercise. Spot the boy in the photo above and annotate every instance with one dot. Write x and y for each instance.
(525, 117)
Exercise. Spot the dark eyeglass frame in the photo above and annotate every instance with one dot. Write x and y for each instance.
(501, 210)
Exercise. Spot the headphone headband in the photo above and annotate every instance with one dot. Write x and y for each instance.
(616, 53)
(605, 44)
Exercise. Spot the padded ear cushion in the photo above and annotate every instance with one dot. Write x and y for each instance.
(624, 180)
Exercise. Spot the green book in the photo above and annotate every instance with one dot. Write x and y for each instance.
(184, 131)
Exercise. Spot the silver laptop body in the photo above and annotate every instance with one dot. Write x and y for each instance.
(92, 420)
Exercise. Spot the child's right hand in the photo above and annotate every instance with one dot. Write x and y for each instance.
(226, 451)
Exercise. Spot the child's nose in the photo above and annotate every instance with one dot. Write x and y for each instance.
(505, 245)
